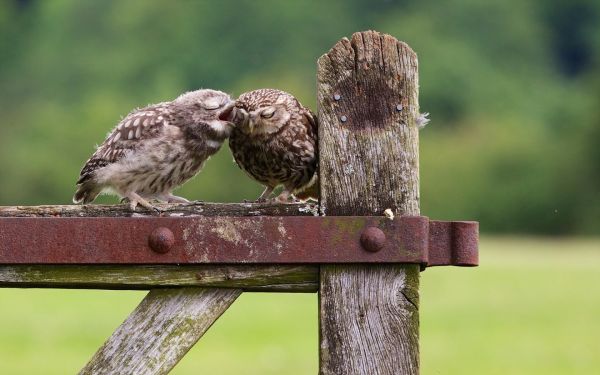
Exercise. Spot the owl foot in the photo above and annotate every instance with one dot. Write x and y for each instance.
(175, 199)
(134, 199)
(264, 197)
(284, 197)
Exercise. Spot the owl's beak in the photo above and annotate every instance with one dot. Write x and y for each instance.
(228, 113)
(240, 117)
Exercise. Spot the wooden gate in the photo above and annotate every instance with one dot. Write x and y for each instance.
(361, 248)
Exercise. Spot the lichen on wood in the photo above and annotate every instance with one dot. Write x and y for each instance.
(168, 210)
(368, 142)
(161, 330)
(254, 278)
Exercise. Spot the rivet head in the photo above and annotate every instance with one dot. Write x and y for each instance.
(161, 240)
(372, 239)
(344, 118)
(337, 96)
(399, 108)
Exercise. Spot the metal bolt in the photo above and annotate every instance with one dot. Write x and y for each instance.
(372, 239)
(337, 96)
(399, 108)
(344, 118)
(161, 240)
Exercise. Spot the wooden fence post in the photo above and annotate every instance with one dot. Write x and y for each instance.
(368, 142)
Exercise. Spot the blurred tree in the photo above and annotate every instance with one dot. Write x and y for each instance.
(570, 23)
(512, 87)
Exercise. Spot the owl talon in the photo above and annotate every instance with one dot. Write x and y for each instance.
(265, 196)
(176, 199)
(284, 197)
(134, 199)
(132, 206)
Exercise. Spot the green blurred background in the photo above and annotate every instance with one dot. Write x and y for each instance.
(513, 88)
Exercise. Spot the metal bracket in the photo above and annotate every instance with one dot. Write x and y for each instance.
(238, 240)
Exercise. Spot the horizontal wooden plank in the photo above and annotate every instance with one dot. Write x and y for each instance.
(252, 278)
(169, 210)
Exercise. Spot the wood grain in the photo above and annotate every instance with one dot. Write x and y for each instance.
(168, 322)
(169, 210)
(160, 331)
(368, 142)
(371, 160)
(251, 278)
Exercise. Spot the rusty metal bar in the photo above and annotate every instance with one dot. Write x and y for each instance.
(238, 240)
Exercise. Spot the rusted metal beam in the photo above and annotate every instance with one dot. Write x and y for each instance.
(238, 240)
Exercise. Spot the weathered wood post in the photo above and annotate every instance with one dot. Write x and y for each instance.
(208, 254)
(369, 162)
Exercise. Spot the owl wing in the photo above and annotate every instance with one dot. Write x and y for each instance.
(138, 126)
(311, 122)
(311, 189)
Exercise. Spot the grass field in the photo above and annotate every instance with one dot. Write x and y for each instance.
(533, 307)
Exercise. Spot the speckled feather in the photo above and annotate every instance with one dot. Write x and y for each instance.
(157, 148)
(281, 150)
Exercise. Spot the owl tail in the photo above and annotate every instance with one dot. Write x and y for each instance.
(86, 193)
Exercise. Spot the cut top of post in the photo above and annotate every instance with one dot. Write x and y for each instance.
(368, 135)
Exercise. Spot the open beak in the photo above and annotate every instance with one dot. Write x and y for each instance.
(239, 117)
(228, 113)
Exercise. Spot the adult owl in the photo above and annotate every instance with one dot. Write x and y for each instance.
(155, 149)
(275, 142)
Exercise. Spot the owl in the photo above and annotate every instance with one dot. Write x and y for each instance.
(155, 149)
(274, 141)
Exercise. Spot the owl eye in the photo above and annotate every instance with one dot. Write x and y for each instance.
(211, 104)
(268, 113)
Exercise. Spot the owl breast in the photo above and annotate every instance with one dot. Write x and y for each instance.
(156, 169)
(288, 158)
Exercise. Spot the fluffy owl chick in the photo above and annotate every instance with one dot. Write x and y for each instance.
(275, 141)
(157, 148)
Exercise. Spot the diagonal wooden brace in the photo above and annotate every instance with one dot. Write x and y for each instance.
(160, 331)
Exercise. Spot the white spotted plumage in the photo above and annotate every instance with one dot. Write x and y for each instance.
(155, 149)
